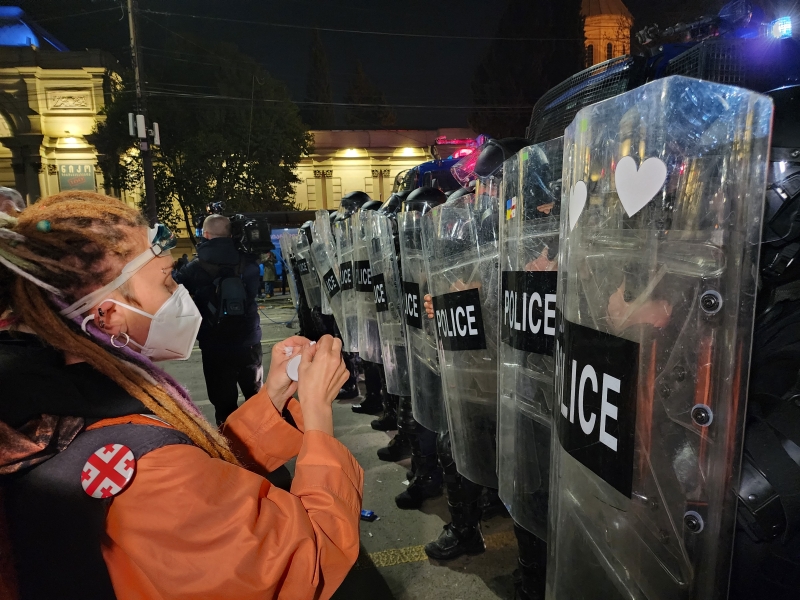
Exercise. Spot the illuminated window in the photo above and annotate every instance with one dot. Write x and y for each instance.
(609, 51)
(589, 55)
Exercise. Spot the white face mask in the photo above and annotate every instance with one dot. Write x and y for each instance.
(173, 330)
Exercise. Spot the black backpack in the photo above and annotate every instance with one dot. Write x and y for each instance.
(227, 301)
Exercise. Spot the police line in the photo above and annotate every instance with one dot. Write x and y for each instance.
(593, 306)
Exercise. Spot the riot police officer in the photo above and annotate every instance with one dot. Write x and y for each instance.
(766, 563)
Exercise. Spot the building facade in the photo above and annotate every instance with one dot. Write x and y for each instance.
(346, 161)
(50, 100)
(607, 30)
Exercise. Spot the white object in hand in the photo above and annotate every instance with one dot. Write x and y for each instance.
(292, 365)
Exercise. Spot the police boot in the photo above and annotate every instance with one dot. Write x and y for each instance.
(350, 388)
(491, 505)
(398, 449)
(348, 392)
(375, 400)
(529, 578)
(388, 422)
(371, 405)
(462, 536)
(426, 483)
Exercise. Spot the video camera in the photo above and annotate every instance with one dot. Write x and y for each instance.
(251, 232)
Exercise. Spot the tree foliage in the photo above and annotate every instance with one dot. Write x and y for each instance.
(370, 109)
(318, 87)
(516, 73)
(228, 132)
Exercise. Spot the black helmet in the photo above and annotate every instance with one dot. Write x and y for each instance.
(371, 205)
(352, 201)
(781, 233)
(495, 152)
(541, 186)
(423, 199)
(394, 204)
(459, 193)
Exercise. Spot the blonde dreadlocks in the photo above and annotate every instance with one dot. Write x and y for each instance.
(71, 243)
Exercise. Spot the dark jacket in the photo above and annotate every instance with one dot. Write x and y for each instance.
(222, 251)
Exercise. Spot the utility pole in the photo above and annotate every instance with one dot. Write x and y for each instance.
(141, 120)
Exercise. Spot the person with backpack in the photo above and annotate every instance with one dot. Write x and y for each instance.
(224, 283)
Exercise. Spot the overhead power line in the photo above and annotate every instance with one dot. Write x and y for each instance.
(360, 31)
(169, 93)
(78, 14)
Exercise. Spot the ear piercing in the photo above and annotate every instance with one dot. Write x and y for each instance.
(101, 312)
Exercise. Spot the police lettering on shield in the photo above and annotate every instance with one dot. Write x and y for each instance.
(459, 321)
(596, 376)
(529, 310)
(331, 284)
(379, 288)
(412, 304)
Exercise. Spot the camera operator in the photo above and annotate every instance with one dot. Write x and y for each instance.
(230, 343)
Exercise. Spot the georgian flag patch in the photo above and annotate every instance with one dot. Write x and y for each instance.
(108, 471)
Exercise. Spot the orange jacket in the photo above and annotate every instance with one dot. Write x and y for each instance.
(191, 527)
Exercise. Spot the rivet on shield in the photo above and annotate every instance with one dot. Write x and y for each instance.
(711, 302)
(693, 521)
(702, 415)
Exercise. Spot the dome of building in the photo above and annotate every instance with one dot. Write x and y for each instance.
(607, 30)
(16, 29)
(596, 8)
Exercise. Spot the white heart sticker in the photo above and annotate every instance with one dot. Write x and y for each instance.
(577, 200)
(636, 188)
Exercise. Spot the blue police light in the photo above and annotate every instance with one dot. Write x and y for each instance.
(781, 28)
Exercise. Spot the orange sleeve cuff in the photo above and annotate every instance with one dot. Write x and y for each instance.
(293, 406)
(259, 435)
(321, 463)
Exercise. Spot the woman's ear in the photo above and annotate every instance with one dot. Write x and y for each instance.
(109, 318)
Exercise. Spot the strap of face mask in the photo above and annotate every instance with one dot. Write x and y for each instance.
(129, 307)
(130, 339)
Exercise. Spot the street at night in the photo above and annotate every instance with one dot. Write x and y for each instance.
(354, 300)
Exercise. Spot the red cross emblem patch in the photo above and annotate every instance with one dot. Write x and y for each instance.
(108, 471)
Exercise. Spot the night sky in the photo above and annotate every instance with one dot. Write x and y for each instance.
(428, 71)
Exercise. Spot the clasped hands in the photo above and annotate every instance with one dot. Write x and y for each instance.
(321, 375)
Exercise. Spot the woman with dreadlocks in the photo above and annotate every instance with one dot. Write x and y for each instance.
(113, 485)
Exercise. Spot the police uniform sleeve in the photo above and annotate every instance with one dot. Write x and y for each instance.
(191, 526)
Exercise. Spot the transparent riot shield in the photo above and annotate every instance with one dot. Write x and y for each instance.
(389, 303)
(289, 262)
(369, 339)
(663, 197)
(531, 193)
(460, 240)
(308, 273)
(343, 232)
(427, 400)
(323, 252)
